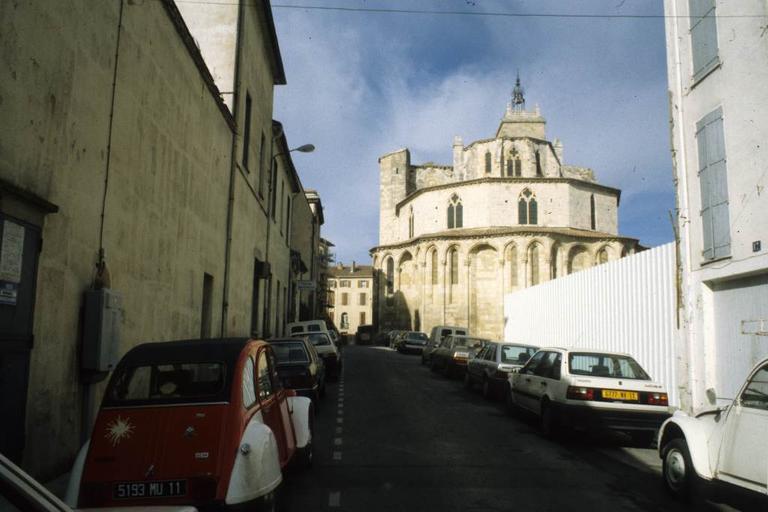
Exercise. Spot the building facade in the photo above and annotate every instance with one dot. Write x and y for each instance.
(508, 214)
(143, 174)
(353, 298)
(719, 126)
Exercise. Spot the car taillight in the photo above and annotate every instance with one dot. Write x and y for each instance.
(658, 399)
(579, 393)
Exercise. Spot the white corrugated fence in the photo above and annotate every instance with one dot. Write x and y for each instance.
(626, 305)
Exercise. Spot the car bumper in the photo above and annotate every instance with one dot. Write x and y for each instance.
(412, 348)
(609, 419)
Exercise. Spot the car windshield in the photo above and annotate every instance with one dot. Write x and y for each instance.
(516, 354)
(177, 382)
(290, 352)
(318, 338)
(605, 365)
(417, 336)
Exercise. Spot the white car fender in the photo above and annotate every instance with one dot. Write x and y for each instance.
(301, 409)
(256, 470)
(696, 434)
(75, 476)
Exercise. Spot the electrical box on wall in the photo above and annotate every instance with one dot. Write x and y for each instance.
(102, 318)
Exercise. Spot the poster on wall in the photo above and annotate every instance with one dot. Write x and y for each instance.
(11, 252)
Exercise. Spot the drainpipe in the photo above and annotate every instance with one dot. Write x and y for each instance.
(232, 174)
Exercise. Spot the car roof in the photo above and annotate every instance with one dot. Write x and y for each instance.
(226, 350)
(588, 351)
(517, 344)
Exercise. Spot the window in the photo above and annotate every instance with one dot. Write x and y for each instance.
(434, 266)
(262, 173)
(344, 321)
(247, 130)
(264, 377)
(362, 318)
(713, 179)
(362, 283)
(345, 283)
(454, 258)
(534, 256)
(533, 362)
(518, 167)
(527, 208)
(592, 211)
(487, 162)
(514, 166)
(755, 395)
(273, 189)
(344, 299)
(605, 365)
(538, 164)
(331, 284)
(703, 37)
(455, 213)
(287, 217)
(206, 307)
(390, 276)
(249, 391)
(410, 224)
(361, 300)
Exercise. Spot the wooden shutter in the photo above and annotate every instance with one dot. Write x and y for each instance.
(703, 36)
(713, 180)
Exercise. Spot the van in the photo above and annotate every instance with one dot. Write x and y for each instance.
(294, 328)
(436, 336)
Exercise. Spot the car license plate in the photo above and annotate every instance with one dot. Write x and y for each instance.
(613, 394)
(159, 489)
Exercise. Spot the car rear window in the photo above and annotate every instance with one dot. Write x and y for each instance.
(313, 328)
(516, 354)
(290, 352)
(417, 336)
(167, 383)
(319, 338)
(297, 328)
(605, 365)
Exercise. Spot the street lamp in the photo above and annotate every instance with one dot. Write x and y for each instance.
(306, 148)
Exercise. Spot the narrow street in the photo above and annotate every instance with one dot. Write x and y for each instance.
(394, 436)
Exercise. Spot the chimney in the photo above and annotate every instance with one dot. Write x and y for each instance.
(353, 266)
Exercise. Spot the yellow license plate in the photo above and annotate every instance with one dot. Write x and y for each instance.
(612, 394)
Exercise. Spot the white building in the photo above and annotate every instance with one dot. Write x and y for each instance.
(718, 80)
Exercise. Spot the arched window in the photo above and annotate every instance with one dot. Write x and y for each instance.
(454, 259)
(592, 211)
(527, 208)
(410, 223)
(487, 162)
(602, 256)
(513, 163)
(533, 257)
(538, 163)
(518, 168)
(512, 255)
(434, 266)
(455, 213)
(390, 276)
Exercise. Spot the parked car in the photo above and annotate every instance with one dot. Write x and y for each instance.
(327, 350)
(490, 368)
(454, 352)
(364, 335)
(204, 423)
(436, 335)
(299, 367)
(589, 389)
(411, 341)
(726, 446)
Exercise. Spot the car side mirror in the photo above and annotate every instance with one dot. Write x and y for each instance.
(711, 396)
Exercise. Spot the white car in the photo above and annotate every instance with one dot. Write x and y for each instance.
(589, 389)
(727, 445)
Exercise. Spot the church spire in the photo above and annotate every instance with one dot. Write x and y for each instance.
(518, 100)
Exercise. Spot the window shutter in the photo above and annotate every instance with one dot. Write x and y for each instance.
(703, 36)
(713, 180)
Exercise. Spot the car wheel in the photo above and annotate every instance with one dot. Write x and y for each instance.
(548, 421)
(486, 388)
(468, 382)
(509, 402)
(679, 476)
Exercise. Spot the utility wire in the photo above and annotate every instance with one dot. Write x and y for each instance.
(383, 10)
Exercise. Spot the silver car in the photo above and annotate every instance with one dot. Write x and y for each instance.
(490, 368)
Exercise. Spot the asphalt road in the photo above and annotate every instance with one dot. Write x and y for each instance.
(392, 436)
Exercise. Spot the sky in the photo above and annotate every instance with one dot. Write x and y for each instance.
(363, 84)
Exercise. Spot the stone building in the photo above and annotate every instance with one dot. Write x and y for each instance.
(144, 173)
(507, 214)
(719, 127)
(352, 304)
